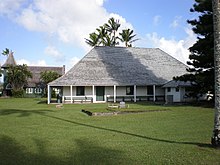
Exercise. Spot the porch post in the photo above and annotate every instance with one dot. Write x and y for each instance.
(154, 91)
(48, 94)
(93, 93)
(115, 93)
(135, 93)
(71, 93)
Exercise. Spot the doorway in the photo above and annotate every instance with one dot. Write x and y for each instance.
(100, 93)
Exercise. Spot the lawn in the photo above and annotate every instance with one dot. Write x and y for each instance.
(32, 132)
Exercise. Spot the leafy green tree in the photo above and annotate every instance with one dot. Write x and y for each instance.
(127, 37)
(216, 22)
(201, 70)
(47, 77)
(17, 77)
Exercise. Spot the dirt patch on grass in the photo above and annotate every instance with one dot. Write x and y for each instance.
(119, 112)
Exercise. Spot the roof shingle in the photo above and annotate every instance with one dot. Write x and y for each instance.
(108, 66)
(36, 70)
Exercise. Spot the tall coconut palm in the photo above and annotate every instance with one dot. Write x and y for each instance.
(93, 39)
(5, 52)
(102, 33)
(216, 23)
(108, 41)
(127, 37)
(112, 27)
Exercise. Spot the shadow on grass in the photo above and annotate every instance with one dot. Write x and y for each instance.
(132, 134)
(42, 102)
(24, 113)
(11, 152)
(202, 104)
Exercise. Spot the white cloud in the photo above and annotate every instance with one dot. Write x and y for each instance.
(8, 7)
(69, 21)
(72, 62)
(122, 21)
(176, 48)
(156, 20)
(124, 25)
(100, 2)
(52, 51)
(176, 22)
(31, 63)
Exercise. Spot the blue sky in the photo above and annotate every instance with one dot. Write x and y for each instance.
(52, 32)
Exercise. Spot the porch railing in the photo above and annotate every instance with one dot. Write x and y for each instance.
(73, 99)
(138, 98)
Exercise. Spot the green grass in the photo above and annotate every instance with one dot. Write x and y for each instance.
(32, 132)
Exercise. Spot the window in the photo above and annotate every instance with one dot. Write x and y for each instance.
(29, 90)
(168, 89)
(177, 89)
(80, 91)
(37, 90)
(129, 90)
(150, 90)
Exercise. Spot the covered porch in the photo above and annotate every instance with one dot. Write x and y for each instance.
(101, 94)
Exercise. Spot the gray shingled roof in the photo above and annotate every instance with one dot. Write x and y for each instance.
(175, 84)
(108, 66)
(10, 61)
(36, 70)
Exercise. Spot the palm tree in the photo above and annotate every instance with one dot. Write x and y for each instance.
(112, 27)
(5, 52)
(102, 33)
(106, 35)
(127, 37)
(108, 41)
(216, 23)
(93, 39)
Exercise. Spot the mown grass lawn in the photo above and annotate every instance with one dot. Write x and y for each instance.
(32, 132)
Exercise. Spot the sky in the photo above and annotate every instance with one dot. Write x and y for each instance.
(53, 32)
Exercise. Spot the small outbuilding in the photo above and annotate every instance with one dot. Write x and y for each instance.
(176, 91)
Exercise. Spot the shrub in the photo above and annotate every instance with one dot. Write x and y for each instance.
(18, 93)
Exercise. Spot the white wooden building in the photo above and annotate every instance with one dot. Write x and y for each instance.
(176, 91)
(118, 73)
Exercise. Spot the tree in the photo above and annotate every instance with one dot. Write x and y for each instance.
(127, 37)
(107, 35)
(216, 22)
(112, 27)
(102, 34)
(47, 77)
(93, 40)
(17, 77)
(201, 70)
(5, 52)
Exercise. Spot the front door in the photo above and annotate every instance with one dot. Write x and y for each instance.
(100, 93)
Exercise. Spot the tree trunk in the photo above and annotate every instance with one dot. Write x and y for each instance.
(216, 23)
